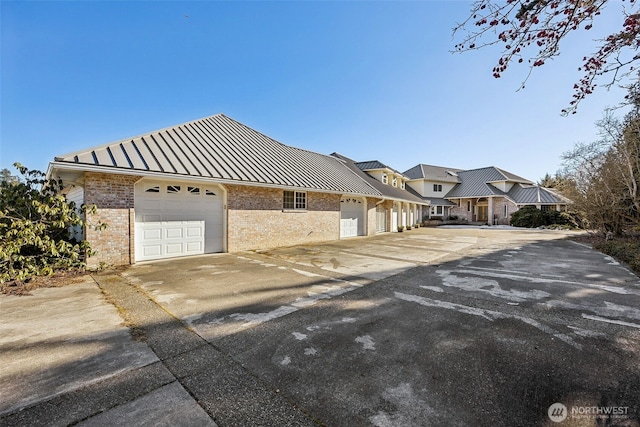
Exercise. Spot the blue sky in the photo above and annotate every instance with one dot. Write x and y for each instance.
(371, 80)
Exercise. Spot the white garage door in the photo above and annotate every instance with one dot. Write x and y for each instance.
(176, 219)
(381, 219)
(351, 217)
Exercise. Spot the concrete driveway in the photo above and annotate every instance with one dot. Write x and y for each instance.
(446, 327)
(469, 326)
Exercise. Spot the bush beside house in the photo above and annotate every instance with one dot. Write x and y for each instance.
(35, 224)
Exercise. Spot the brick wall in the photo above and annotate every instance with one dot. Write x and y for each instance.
(461, 211)
(498, 210)
(372, 219)
(113, 196)
(256, 219)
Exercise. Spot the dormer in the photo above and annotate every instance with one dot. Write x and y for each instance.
(383, 173)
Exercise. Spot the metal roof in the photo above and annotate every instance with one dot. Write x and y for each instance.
(433, 173)
(475, 183)
(223, 149)
(388, 191)
(434, 201)
(534, 194)
(511, 177)
(375, 165)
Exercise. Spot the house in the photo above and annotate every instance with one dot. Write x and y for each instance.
(489, 195)
(216, 185)
(432, 183)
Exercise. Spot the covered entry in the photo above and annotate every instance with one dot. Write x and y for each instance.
(176, 219)
(352, 217)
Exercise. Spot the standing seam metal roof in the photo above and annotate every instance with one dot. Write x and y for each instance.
(533, 195)
(219, 147)
(475, 183)
(433, 173)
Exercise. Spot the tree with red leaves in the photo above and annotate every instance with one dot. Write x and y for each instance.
(532, 30)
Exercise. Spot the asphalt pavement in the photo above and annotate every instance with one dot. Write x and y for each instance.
(455, 327)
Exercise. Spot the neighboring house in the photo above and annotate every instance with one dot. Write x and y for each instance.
(489, 195)
(216, 185)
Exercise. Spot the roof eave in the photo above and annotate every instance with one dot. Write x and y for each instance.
(53, 166)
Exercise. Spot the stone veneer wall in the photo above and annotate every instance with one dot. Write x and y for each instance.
(256, 219)
(113, 195)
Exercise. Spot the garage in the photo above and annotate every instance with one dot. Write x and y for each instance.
(352, 214)
(177, 219)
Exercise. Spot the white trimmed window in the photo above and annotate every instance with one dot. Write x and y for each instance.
(437, 188)
(468, 205)
(385, 178)
(506, 211)
(394, 182)
(296, 200)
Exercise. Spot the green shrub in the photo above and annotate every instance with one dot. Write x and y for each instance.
(528, 216)
(532, 217)
(35, 220)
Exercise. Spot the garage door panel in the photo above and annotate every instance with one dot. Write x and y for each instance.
(174, 249)
(152, 233)
(194, 247)
(173, 232)
(194, 232)
(151, 250)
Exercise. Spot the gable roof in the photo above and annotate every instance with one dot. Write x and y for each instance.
(433, 173)
(224, 150)
(386, 190)
(477, 182)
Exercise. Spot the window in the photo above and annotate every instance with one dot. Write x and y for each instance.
(173, 189)
(439, 210)
(394, 182)
(437, 188)
(402, 184)
(209, 193)
(193, 190)
(294, 200)
(468, 205)
(506, 211)
(385, 178)
(154, 189)
(545, 208)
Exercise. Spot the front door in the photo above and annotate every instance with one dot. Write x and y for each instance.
(483, 213)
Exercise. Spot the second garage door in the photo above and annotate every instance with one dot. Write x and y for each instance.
(351, 217)
(177, 219)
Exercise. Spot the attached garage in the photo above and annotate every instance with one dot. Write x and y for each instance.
(176, 219)
(352, 217)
